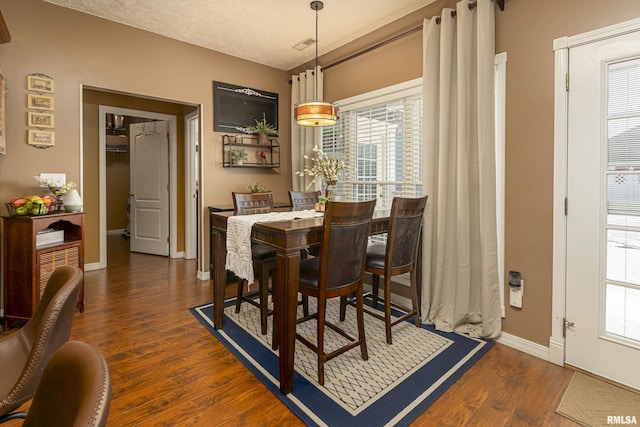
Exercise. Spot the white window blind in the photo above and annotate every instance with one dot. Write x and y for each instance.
(381, 145)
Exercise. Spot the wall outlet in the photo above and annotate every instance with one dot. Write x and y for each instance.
(516, 294)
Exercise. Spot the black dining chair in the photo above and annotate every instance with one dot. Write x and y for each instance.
(263, 257)
(338, 271)
(398, 256)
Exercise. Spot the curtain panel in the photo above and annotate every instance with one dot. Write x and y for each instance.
(303, 138)
(460, 278)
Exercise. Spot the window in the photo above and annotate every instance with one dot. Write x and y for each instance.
(379, 137)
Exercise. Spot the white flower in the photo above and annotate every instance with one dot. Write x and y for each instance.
(323, 166)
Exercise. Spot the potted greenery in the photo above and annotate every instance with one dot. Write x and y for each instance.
(238, 156)
(264, 130)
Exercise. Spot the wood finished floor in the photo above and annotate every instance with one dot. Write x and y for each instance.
(168, 370)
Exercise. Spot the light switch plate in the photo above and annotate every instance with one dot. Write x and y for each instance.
(59, 179)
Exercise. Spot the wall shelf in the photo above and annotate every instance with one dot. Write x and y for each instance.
(249, 143)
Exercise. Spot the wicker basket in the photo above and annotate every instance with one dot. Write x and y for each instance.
(43, 210)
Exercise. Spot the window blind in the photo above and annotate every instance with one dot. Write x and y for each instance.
(381, 145)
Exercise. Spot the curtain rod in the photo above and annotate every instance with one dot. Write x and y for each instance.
(472, 6)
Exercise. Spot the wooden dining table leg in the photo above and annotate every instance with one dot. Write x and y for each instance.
(288, 270)
(219, 248)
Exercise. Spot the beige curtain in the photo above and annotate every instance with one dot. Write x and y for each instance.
(303, 138)
(460, 277)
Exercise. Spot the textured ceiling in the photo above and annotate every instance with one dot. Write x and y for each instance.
(263, 31)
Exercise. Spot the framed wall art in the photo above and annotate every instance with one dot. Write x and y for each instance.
(237, 108)
(41, 120)
(40, 102)
(39, 83)
(41, 138)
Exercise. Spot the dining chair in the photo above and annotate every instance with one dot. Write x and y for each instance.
(398, 256)
(301, 200)
(24, 353)
(338, 271)
(75, 389)
(263, 257)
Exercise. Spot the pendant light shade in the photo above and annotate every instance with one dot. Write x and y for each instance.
(317, 112)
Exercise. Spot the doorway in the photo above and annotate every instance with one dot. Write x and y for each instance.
(597, 248)
(105, 112)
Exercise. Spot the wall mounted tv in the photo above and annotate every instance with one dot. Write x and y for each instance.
(237, 108)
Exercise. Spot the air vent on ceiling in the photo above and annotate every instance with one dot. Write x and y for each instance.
(304, 44)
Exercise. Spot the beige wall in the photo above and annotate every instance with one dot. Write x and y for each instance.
(78, 49)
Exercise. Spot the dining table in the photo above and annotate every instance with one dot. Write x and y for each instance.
(288, 238)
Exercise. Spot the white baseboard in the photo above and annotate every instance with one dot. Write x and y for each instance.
(524, 346)
(92, 266)
(203, 275)
(1, 312)
(556, 351)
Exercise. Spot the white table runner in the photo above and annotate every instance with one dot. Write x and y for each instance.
(239, 238)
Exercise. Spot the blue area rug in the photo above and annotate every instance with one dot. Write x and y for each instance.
(393, 387)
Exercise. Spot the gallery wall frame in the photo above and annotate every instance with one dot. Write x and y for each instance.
(40, 83)
(40, 102)
(41, 120)
(41, 138)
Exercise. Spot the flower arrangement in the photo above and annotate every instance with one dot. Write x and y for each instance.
(58, 191)
(323, 167)
(258, 188)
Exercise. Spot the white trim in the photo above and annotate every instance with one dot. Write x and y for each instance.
(203, 275)
(525, 346)
(558, 296)
(173, 180)
(615, 30)
(500, 126)
(93, 266)
(191, 182)
(380, 96)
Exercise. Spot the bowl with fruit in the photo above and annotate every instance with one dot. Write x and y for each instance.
(32, 205)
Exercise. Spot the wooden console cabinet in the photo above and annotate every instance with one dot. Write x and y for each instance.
(27, 266)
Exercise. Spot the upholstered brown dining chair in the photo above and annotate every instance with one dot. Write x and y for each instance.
(338, 271)
(399, 255)
(75, 389)
(263, 257)
(24, 353)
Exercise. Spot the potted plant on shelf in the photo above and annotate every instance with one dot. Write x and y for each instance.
(264, 130)
(238, 156)
(258, 188)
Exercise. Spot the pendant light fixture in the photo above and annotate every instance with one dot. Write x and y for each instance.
(316, 112)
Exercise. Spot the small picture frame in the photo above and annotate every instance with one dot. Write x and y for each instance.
(41, 138)
(37, 83)
(41, 120)
(40, 102)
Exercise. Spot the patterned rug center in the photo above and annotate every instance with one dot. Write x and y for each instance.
(353, 383)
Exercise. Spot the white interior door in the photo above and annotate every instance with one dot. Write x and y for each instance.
(603, 219)
(149, 187)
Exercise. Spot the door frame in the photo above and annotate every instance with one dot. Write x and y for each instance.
(191, 181)
(173, 175)
(561, 48)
